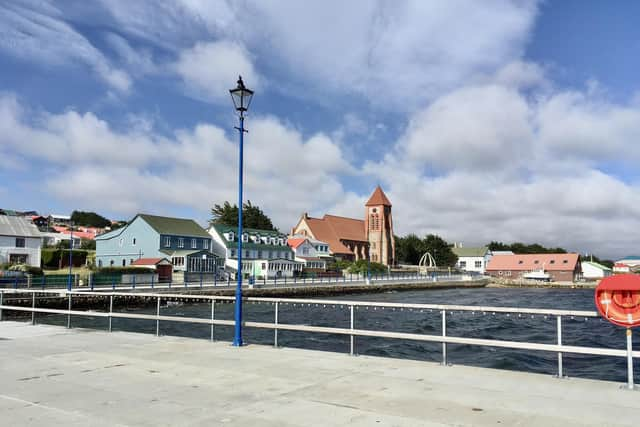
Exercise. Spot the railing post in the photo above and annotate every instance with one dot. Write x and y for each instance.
(352, 338)
(213, 316)
(1, 303)
(33, 308)
(110, 310)
(444, 334)
(559, 330)
(630, 385)
(275, 330)
(153, 275)
(91, 280)
(44, 279)
(134, 282)
(113, 283)
(69, 314)
(15, 283)
(158, 318)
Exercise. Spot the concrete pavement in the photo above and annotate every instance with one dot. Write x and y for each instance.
(54, 376)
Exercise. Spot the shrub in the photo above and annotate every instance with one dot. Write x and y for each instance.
(360, 267)
(24, 268)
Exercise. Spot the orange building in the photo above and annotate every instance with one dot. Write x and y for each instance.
(355, 239)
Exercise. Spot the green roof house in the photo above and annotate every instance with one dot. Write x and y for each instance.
(186, 244)
(472, 259)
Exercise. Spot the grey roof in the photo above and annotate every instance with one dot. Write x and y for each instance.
(470, 252)
(17, 226)
(174, 226)
(221, 229)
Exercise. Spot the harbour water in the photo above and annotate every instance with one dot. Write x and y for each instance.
(592, 332)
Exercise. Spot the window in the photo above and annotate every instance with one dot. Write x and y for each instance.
(205, 244)
(111, 263)
(20, 242)
(536, 262)
(167, 241)
(478, 264)
(520, 262)
(500, 273)
(246, 254)
(564, 261)
(245, 237)
(131, 261)
(180, 242)
(233, 253)
(273, 240)
(305, 251)
(553, 261)
(230, 236)
(124, 263)
(133, 241)
(463, 264)
(194, 243)
(100, 263)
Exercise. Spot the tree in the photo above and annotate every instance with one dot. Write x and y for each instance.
(411, 248)
(361, 267)
(252, 216)
(89, 219)
(523, 248)
(88, 244)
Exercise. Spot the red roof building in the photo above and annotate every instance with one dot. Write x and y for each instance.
(561, 267)
(355, 239)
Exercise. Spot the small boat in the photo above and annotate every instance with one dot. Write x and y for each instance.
(537, 275)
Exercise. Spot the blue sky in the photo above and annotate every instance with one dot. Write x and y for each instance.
(506, 120)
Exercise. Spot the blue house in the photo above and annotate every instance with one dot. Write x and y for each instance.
(182, 241)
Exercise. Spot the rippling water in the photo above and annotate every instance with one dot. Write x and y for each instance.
(592, 332)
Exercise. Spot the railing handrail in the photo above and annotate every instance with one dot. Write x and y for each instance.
(355, 303)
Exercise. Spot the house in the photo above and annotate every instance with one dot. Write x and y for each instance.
(472, 259)
(20, 241)
(161, 266)
(594, 271)
(52, 239)
(59, 219)
(354, 239)
(560, 267)
(40, 221)
(627, 264)
(265, 252)
(313, 253)
(182, 241)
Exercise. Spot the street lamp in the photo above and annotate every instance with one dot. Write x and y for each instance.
(241, 97)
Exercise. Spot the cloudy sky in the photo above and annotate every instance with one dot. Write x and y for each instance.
(494, 120)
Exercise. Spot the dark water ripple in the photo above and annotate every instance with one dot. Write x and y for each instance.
(590, 332)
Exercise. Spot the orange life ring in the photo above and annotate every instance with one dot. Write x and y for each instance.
(618, 299)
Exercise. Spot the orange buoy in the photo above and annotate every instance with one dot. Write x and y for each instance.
(618, 299)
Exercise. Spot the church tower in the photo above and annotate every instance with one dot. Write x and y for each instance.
(379, 228)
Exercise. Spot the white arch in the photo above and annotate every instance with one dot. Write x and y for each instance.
(427, 258)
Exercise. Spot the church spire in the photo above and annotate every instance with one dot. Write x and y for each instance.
(378, 198)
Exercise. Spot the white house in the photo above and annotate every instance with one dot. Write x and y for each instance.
(265, 252)
(627, 264)
(593, 271)
(472, 259)
(52, 239)
(313, 253)
(20, 241)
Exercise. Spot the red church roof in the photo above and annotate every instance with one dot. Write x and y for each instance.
(378, 198)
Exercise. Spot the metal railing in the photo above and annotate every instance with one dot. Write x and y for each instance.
(351, 331)
(114, 283)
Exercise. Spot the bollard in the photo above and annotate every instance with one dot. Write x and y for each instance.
(33, 308)
(110, 310)
(1, 303)
(69, 314)
(158, 318)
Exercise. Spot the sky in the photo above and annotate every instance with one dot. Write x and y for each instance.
(495, 120)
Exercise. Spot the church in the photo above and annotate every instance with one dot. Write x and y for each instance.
(354, 239)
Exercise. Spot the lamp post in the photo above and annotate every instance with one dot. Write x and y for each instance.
(241, 97)
(368, 267)
(69, 284)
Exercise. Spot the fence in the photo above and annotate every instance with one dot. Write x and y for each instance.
(193, 280)
(352, 331)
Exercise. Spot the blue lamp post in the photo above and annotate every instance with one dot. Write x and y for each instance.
(241, 97)
(69, 282)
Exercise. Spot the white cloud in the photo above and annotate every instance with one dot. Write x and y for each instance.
(124, 172)
(38, 33)
(208, 70)
(489, 163)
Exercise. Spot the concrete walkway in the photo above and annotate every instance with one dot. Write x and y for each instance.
(53, 376)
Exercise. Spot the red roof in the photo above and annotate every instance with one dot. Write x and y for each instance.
(294, 243)
(528, 262)
(332, 229)
(378, 198)
(148, 261)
